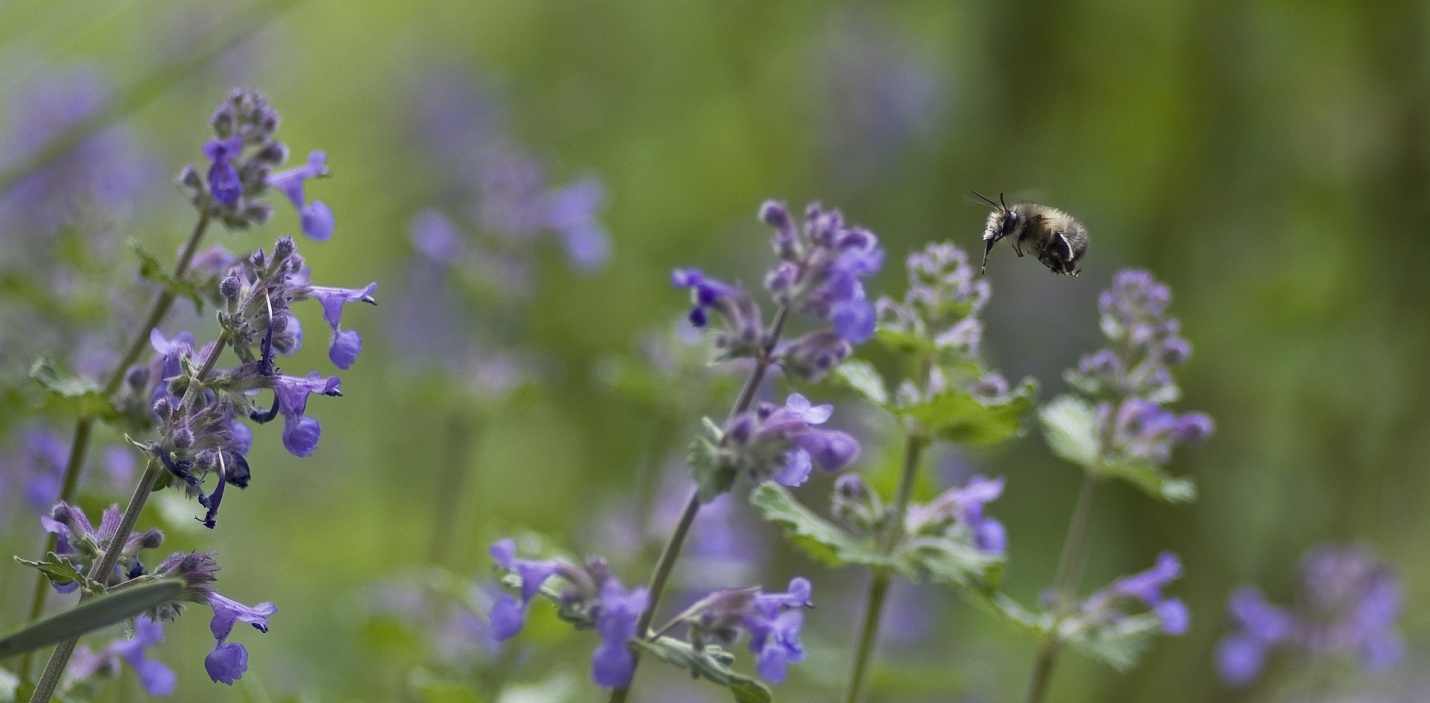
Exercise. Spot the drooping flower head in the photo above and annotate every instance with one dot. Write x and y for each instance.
(1349, 602)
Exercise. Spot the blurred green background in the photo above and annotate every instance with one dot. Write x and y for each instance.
(1268, 160)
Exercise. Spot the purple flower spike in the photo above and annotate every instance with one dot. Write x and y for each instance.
(316, 218)
(613, 664)
(346, 343)
(224, 183)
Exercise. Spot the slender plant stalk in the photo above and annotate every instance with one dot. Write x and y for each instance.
(1070, 565)
(452, 482)
(879, 583)
(671, 552)
(84, 427)
(60, 658)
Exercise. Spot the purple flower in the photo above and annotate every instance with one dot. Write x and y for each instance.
(436, 238)
(1145, 586)
(820, 267)
(156, 678)
(223, 180)
(782, 442)
(300, 433)
(1145, 341)
(228, 660)
(963, 506)
(1143, 430)
(1350, 601)
(772, 619)
(316, 218)
(508, 615)
(613, 664)
(572, 211)
(346, 343)
(80, 541)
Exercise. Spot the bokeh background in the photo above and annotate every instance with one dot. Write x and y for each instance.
(1269, 160)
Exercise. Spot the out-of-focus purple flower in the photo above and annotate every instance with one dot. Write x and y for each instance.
(156, 678)
(1145, 341)
(773, 621)
(782, 442)
(229, 660)
(508, 615)
(573, 212)
(80, 541)
(1145, 586)
(223, 180)
(1143, 430)
(820, 267)
(942, 301)
(963, 506)
(436, 238)
(814, 355)
(741, 334)
(315, 218)
(613, 664)
(1350, 601)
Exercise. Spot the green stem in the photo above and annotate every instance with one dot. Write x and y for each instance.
(451, 483)
(60, 658)
(671, 552)
(84, 427)
(879, 584)
(1070, 565)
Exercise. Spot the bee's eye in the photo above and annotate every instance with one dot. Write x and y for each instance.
(1010, 222)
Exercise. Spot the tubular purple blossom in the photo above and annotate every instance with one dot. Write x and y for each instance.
(229, 660)
(316, 218)
(1145, 586)
(612, 664)
(156, 678)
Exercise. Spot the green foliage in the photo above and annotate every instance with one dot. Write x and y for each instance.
(817, 537)
(711, 479)
(84, 395)
(960, 417)
(953, 560)
(861, 377)
(711, 663)
(61, 571)
(1071, 427)
(91, 615)
(430, 687)
(152, 270)
(1119, 643)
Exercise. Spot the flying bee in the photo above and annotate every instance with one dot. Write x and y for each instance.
(1058, 240)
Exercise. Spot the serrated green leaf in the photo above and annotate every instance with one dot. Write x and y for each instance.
(953, 561)
(1070, 425)
(60, 570)
(904, 342)
(152, 270)
(710, 664)
(861, 377)
(1152, 480)
(960, 417)
(84, 393)
(1119, 643)
(91, 615)
(815, 536)
(711, 479)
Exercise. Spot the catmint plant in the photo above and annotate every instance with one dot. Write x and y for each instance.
(1117, 426)
(187, 413)
(943, 392)
(1347, 603)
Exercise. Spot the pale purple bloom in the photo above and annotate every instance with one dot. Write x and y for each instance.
(773, 621)
(572, 212)
(613, 663)
(1145, 586)
(821, 265)
(963, 506)
(508, 615)
(83, 543)
(316, 218)
(346, 343)
(436, 238)
(300, 432)
(1143, 430)
(782, 442)
(156, 678)
(229, 660)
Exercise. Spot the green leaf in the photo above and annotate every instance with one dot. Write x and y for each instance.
(151, 269)
(61, 571)
(711, 479)
(1070, 426)
(861, 377)
(1118, 644)
(432, 688)
(87, 395)
(955, 562)
(815, 536)
(905, 342)
(1153, 481)
(960, 417)
(91, 615)
(711, 663)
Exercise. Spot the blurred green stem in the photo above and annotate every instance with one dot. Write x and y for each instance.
(84, 427)
(1070, 565)
(462, 431)
(666, 563)
(879, 584)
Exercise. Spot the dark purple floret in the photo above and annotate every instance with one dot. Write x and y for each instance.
(223, 179)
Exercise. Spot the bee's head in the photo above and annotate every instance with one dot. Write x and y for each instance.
(1002, 222)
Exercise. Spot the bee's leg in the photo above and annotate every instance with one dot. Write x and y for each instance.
(1016, 248)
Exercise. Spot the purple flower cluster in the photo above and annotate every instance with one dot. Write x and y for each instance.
(201, 432)
(590, 597)
(83, 544)
(1350, 601)
(773, 621)
(156, 678)
(242, 157)
(963, 506)
(1146, 586)
(783, 442)
(819, 271)
(942, 301)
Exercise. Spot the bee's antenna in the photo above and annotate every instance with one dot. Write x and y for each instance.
(985, 199)
(1000, 201)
